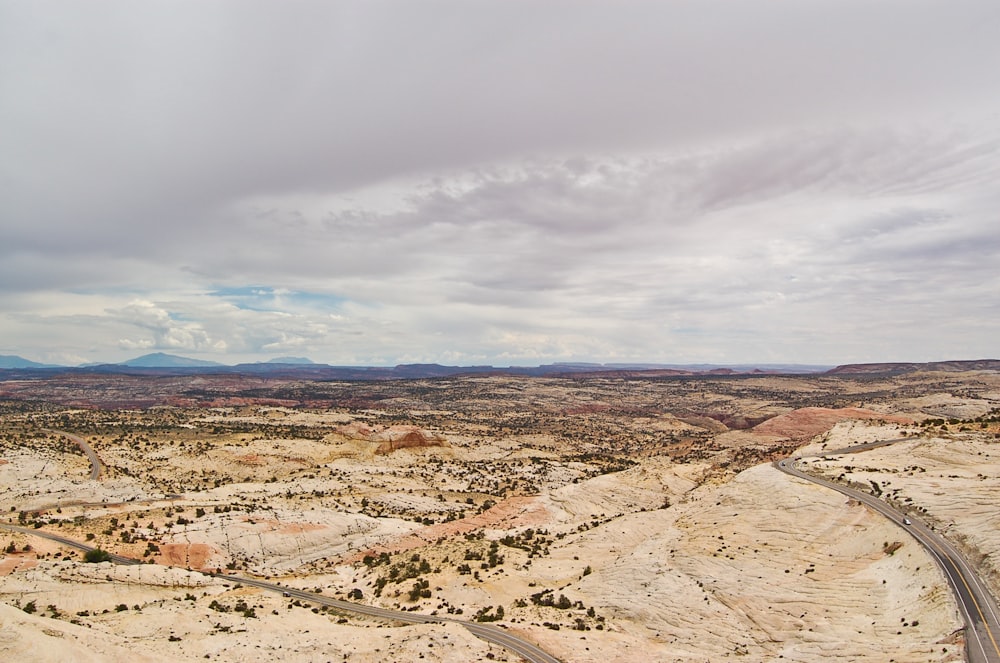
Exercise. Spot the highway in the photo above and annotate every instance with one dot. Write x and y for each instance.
(976, 603)
(71, 543)
(490, 633)
(486, 632)
(95, 461)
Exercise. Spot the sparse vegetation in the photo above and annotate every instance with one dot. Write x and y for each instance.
(288, 480)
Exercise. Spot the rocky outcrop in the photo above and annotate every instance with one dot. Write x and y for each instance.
(394, 438)
(807, 422)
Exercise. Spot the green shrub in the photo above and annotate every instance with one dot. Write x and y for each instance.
(96, 555)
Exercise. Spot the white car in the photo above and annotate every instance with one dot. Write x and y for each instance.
(907, 521)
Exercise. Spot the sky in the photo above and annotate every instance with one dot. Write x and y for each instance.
(509, 182)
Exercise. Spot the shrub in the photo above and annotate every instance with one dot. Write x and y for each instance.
(96, 555)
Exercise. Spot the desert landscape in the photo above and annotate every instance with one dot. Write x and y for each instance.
(541, 332)
(600, 517)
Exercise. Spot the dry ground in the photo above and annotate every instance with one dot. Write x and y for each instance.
(606, 520)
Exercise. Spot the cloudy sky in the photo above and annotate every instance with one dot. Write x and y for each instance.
(507, 182)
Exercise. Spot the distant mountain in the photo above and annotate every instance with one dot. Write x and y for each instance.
(301, 368)
(911, 367)
(13, 361)
(163, 360)
(290, 360)
(665, 370)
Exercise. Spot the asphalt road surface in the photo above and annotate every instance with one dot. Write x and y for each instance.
(976, 603)
(486, 632)
(95, 460)
(71, 543)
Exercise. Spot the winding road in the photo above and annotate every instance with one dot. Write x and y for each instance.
(493, 634)
(487, 632)
(976, 603)
(96, 466)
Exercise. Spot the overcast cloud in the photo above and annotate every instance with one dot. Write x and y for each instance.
(500, 182)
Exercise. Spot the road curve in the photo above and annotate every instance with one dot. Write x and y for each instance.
(486, 632)
(490, 633)
(96, 466)
(976, 603)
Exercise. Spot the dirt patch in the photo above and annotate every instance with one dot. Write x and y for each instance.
(17, 563)
(190, 555)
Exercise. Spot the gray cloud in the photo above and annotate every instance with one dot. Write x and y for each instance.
(510, 181)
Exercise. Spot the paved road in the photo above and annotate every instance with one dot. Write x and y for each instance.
(72, 543)
(490, 633)
(978, 607)
(486, 632)
(95, 461)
